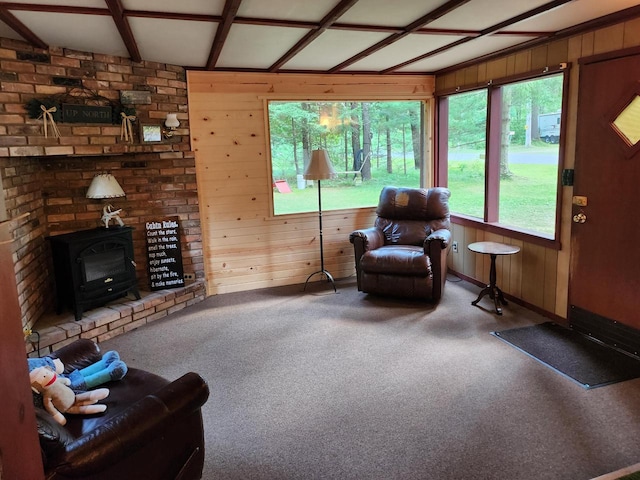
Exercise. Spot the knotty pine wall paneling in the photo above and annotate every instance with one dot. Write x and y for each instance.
(245, 247)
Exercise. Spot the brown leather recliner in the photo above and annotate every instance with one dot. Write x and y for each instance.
(152, 427)
(405, 253)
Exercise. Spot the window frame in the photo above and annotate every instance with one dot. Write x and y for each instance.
(427, 172)
(490, 221)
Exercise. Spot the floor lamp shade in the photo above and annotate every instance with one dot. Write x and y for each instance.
(319, 167)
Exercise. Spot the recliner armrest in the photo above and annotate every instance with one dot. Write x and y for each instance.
(436, 246)
(364, 240)
(443, 236)
(121, 436)
(369, 238)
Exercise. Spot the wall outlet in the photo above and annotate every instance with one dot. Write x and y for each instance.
(454, 247)
(189, 276)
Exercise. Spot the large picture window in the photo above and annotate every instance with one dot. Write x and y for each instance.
(371, 144)
(501, 149)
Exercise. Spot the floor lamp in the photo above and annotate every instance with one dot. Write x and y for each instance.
(320, 168)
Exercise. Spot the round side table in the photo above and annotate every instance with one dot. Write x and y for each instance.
(493, 249)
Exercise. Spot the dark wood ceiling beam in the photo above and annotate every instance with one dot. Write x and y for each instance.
(117, 13)
(327, 21)
(228, 15)
(21, 29)
(36, 7)
(487, 31)
(415, 25)
(193, 17)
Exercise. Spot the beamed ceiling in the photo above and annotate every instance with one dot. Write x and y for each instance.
(322, 36)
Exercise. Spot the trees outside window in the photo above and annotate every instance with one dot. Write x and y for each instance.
(501, 147)
(370, 143)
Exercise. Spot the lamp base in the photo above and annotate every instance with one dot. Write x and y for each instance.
(326, 274)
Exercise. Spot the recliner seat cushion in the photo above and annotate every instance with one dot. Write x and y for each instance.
(397, 260)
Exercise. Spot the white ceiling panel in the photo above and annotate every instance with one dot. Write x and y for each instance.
(305, 10)
(178, 42)
(404, 49)
(200, 7)
(468, 51)
(87, 33)
(332, 48)
(572, 13)
(256, 46)
(389, 13)
(481, 14)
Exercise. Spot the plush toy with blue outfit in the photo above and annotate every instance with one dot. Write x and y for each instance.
(108, 368)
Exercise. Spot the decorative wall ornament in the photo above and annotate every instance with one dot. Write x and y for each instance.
(53, 106)
(126, 130)
(47, 117)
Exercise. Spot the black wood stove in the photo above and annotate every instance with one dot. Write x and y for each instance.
(93, 267)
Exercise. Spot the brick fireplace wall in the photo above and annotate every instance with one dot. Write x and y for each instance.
(45, 180)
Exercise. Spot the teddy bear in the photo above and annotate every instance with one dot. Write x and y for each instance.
(107, 369)
(58, 398)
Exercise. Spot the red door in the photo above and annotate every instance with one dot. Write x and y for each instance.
(605, 249)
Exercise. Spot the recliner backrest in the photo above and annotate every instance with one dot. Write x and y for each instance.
(408, 215)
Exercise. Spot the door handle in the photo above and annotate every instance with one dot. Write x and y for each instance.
(579, 218)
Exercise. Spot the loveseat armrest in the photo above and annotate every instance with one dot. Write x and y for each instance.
(436, 246)
(139, 424)
(78, 354)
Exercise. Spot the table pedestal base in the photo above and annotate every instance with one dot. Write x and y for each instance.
(495, 294)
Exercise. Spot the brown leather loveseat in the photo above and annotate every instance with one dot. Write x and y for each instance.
(152, 428)
(405, 253)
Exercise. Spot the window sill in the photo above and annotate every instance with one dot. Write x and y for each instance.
(511, 232)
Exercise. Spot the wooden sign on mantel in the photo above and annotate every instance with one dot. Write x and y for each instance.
(72, 113)
(164, 254)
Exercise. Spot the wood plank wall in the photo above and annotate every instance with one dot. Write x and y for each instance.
(537, 275)
(245, 247)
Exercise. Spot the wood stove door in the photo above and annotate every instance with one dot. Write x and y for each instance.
(106, 267)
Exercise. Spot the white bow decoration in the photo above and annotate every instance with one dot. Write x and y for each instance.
(126, 130)
(47, 117)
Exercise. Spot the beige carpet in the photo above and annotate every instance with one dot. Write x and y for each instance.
(349, 386)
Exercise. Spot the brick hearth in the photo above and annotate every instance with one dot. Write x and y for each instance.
(113, 319)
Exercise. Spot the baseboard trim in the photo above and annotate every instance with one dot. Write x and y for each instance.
(556, 318)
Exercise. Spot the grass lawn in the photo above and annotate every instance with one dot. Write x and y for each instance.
(527, 199)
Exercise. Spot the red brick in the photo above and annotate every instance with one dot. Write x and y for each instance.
(18, 67)
(111, 77)
(64, 61)
(17, 87)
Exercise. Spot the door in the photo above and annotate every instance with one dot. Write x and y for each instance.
(605, 248)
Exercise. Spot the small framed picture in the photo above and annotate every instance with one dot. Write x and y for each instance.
(150, 133)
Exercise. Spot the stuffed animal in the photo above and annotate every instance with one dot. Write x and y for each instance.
(107, 369)
(58, 398)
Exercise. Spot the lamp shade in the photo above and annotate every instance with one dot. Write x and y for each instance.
(172, 120)
(319, 167)
(104, 185)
